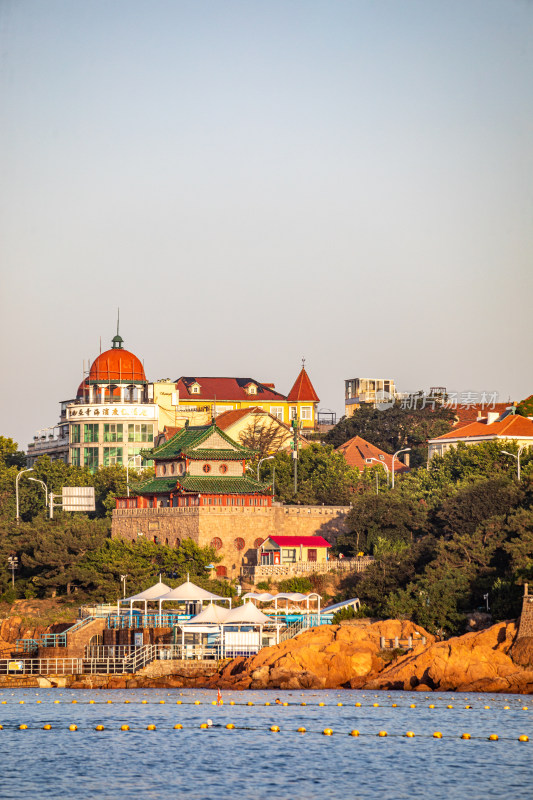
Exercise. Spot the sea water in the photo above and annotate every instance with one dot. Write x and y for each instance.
(251, 761)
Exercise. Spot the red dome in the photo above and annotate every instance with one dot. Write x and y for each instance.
(117, 365)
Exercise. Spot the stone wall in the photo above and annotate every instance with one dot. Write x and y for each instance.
(237, 530)
(526, 618)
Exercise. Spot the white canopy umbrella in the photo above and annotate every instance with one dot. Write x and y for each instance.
(212, 614)
(247, 614)
(152, 593)
(189, 592)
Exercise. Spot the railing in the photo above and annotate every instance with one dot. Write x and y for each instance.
(26, 646)
(296, 627)
(136, 620)
(98, 611)
(404, 644)
(103, 651)
(301, 567)
(41, 666)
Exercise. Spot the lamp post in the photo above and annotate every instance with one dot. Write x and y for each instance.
(131, 458)
(45, 487)
(19, 475)
(13, 564)
(266, 458)
(383, 465)
(123, 579)
(520, 451)
(397, 453)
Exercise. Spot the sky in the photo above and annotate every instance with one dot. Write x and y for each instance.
(349, 181)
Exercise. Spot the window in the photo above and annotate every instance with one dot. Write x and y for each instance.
(223, 468)
(293, 412)
(239, 543)
(163, 469)
(75, 434)
(289, 554)
(216, 543)
(90, 457)
(306, 412)
(75, 456)
(112, 456)
(112, 432)
(90, 432)
(222, 572)
(277, 411)
(140, 433)
(206, 468)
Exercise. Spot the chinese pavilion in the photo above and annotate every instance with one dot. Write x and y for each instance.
(199, 466)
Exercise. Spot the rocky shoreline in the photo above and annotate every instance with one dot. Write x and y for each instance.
(347, 656)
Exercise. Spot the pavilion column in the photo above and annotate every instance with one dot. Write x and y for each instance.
(102, 393)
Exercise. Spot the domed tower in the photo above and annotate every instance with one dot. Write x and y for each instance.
(113, 418)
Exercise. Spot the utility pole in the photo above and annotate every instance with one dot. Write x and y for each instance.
(294, 424)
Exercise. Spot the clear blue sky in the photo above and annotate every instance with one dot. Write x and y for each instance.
(256, 181)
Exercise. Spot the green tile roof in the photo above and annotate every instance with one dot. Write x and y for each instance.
(187, 443)
(203, 484)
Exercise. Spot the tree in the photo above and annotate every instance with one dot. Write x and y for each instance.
(525, 407)
(266, 438)
(377, 519)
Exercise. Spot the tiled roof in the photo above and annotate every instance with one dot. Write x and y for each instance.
(223, 389)
(511, 427)
(203, 484)
(469, 414)
(296, 541)
(229, 418)
(156, 485)
(357, 450)
(303, 390)
(187, 441)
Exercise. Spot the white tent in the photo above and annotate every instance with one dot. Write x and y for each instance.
(188, 592)
(211, 614)
(247, 614)
(295, 597)
(152, 593)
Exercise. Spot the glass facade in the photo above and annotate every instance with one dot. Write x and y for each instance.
(90, 457)
(75, 434)
(112, 456)
(140, 432)
(75, 456)
(90, 432)
(113, 432)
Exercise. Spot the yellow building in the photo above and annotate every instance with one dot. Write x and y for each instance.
(198, 399)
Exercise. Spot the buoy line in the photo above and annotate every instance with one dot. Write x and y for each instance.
(283, 704)
(209, 725)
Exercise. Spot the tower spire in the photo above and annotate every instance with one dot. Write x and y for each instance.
(117, 341)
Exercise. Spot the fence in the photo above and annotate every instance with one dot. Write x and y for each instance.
(259, 571)
(136, 620)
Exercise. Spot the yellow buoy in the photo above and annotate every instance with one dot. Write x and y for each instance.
(150, 728)
(321, 704)
(525, 708)
(196, 702)
(354, 733)
(124, 727)
(358, 705)
(161, 702)
(1, 727)
(382, 733)
(178, 702)
(178, 726)
(486, 707)
(230, 726)
(410, 734)
(449, 706)
(4, 702)
(339, 704)
(284, 704)
(523, 738)
(38, 701)
(431, 706)
(21, 702)
(47, 727)
(493, 737)
(144, 702)
(465, 736)
(468, 706)
(395, 705)
(376, 705)
(274, 728)
(56, 701)
(232, 702)
(303, 704)
(327, 732)
(506, 708)
(23, 727)
(91, 702)
(249, 703)
(99, 728)
(109, 701)
(73, 727)
(204, 725)
(437, 735)
(213, 702)
(126, 701)
(301, 730)
(413, 705)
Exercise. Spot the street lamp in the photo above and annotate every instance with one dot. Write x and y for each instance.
(266, 458)
(371, 458)
(45, 487)
(123, 579)
(520, 451)
(19, 475)
(13, 564)
(131, 458)
(397, 453)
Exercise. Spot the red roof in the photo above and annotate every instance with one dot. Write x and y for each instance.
(115, 365)
(511, 427)
(296, 541)
(472, 413)
(228, 418)
(303, 390)
(221, 389)
(356, 451)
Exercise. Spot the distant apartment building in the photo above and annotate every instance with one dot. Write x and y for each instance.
(367, 392)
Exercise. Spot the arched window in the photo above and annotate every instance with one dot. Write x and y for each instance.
(239, 543)
(258, 543)
(216, 543)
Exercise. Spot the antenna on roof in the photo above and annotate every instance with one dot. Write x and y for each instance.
(303, 362)
(100, 345)
(118, 323)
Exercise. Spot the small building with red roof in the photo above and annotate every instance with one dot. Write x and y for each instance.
(363, 455)
(494, 427)
(292, 549)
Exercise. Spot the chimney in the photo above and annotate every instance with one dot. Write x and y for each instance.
(492, 416)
